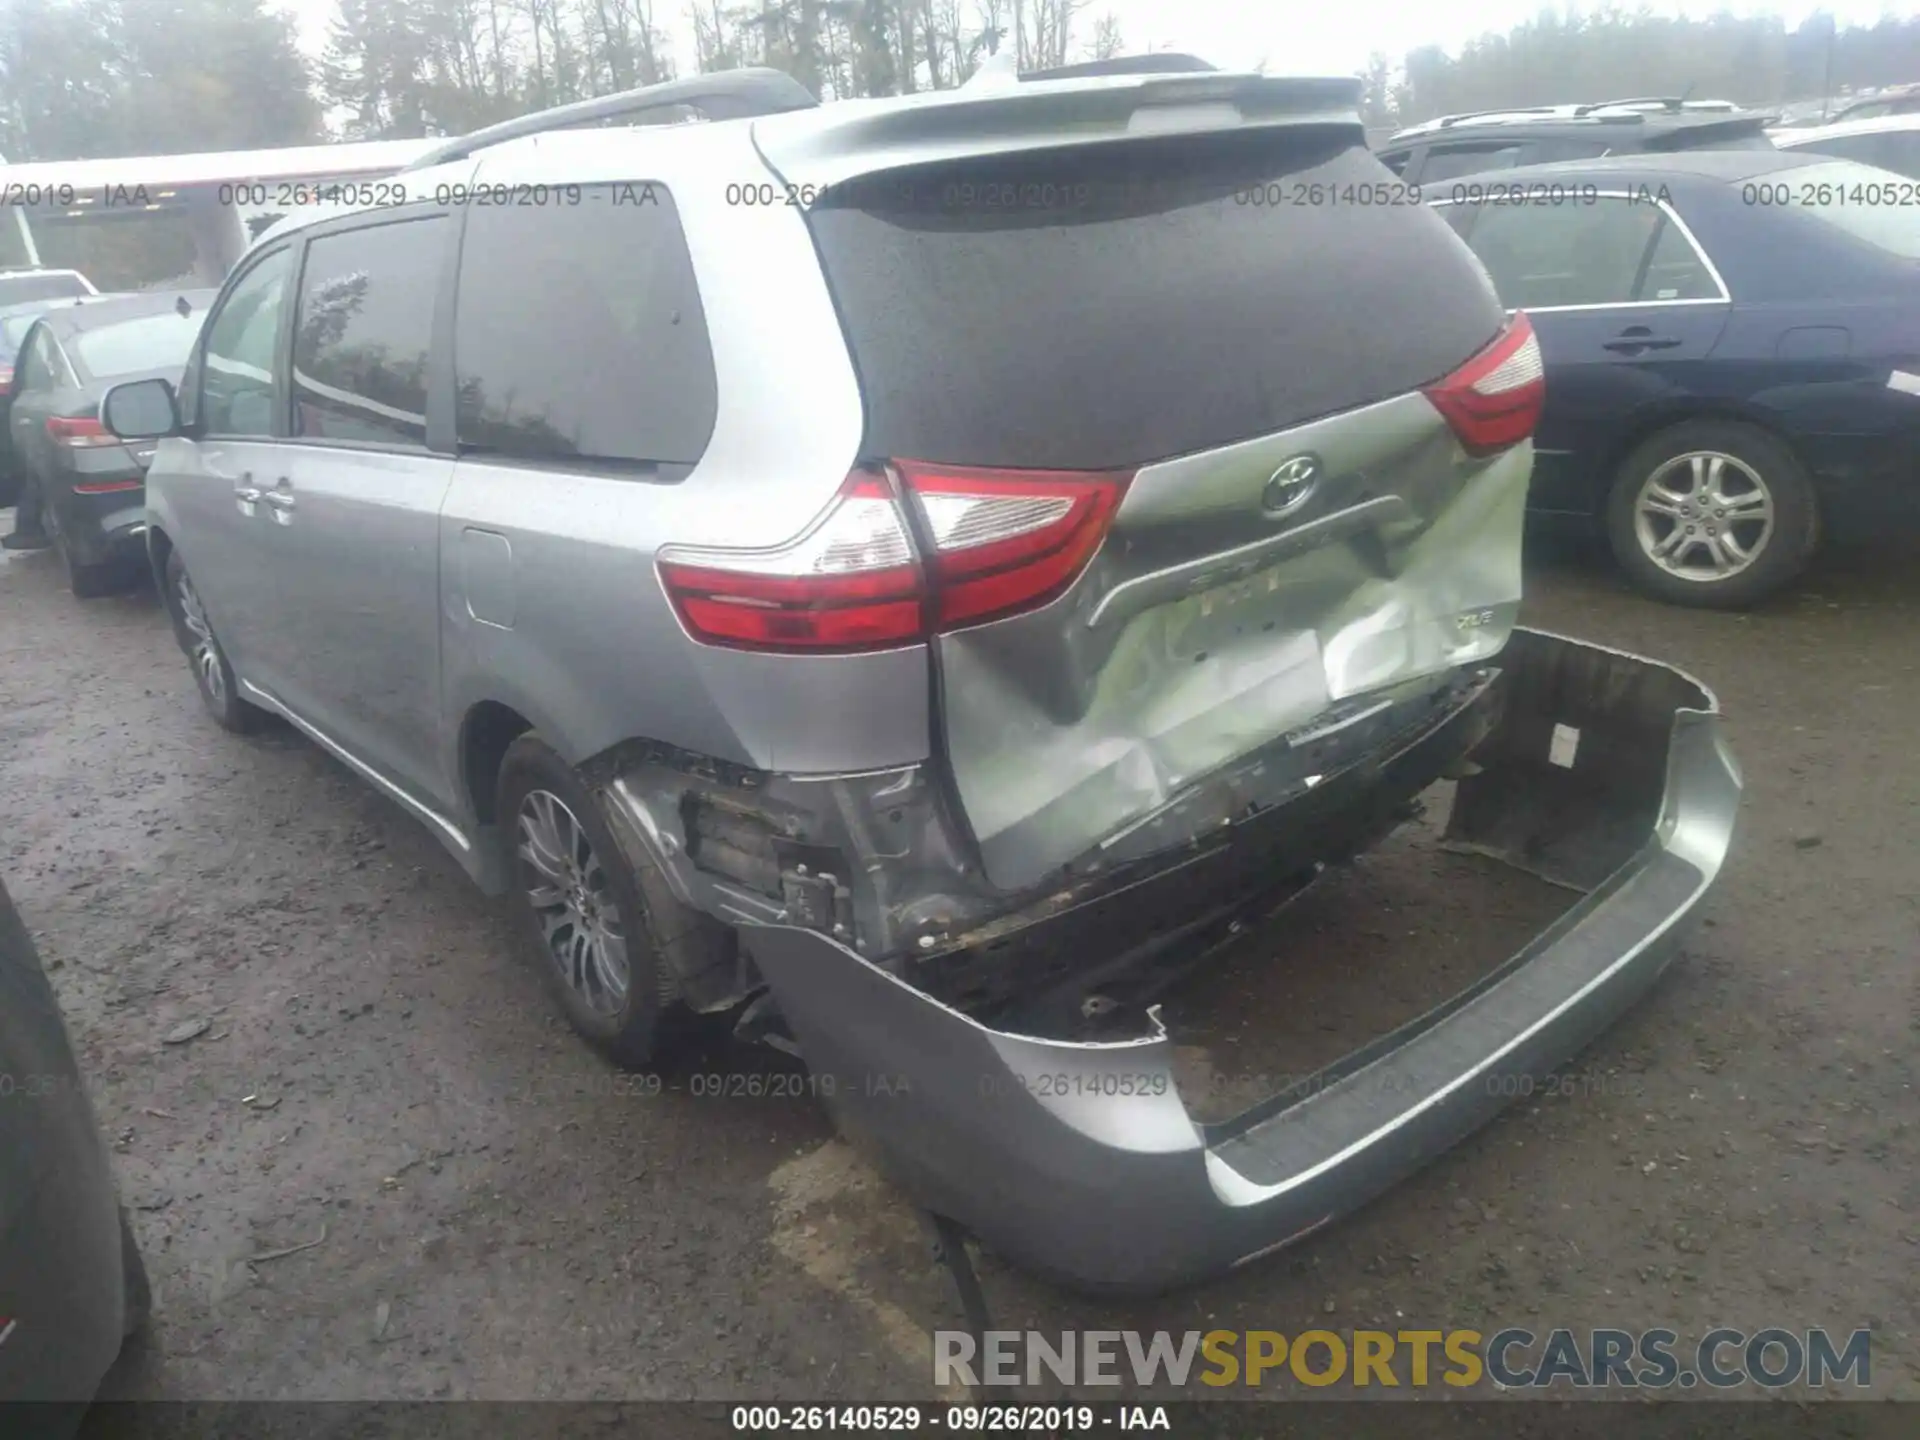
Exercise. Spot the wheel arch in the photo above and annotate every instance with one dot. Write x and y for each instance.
(159, 547)
(487, 729)
(1666, 417)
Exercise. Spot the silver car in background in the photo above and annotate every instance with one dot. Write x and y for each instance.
(886, 567)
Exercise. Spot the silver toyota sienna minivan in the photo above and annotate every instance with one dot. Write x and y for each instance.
(883, 567)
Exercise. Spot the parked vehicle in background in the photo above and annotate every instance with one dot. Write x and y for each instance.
(833, 614)
(1803, 113)
(1895, 100)
(21, 285)
(1732, 347)
(72, 1284)
(1891, 143)
(92, 486)
(1442, 150)
(15, 321)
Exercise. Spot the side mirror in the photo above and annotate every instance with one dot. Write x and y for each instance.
(141, 410)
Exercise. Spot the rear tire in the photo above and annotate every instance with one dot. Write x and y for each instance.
(1712, 513)
(87, 582)
(219, 690)
(603, 932)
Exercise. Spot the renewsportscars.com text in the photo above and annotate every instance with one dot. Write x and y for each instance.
(1512, 1358)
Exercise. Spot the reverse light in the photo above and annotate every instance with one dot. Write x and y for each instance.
(1006, 540)
(850, 581)
(1493, 401)
(79, 432)
(999, 542)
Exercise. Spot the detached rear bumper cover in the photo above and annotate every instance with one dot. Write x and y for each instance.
(1079, 1160)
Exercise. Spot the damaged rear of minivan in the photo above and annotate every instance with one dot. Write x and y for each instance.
(1194, 461)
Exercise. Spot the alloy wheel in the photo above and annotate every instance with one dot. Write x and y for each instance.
(204, 650)
(1703, 516)
(571, 895)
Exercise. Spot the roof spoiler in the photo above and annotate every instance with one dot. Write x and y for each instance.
(727, 95)
(1003, 117)
(1712, 127)
(1165, 63)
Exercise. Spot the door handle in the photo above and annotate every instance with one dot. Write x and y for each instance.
(246, 494)
(279, 499)
(1639, 337)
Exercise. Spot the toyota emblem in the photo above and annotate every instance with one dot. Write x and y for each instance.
(1291, 486)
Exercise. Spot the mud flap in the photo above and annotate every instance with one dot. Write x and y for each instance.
(1603, 771)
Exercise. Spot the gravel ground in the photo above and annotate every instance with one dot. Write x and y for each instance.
(384, 1169)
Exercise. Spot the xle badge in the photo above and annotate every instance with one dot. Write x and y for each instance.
(1291, 486)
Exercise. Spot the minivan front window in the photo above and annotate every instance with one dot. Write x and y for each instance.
(237, 380)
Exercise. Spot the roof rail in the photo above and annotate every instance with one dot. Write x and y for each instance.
(1447, 120)
(1164, 63)
(1670, 103)
(724, 95)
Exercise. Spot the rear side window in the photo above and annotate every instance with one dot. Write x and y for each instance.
(1547, 152)
(1458, 217)
(1858, 200)
(578, 335)
(13, 331)
(18, 289)
(363, 331)
(1448, 162)
(41, 366)
(1115, 305)
(1675, 270)
(1738, 142)
(1548, 256)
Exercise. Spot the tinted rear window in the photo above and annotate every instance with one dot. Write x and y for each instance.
(18, 289)
(1747, 136)
(579, 335)
(151, 342)
(1111, 306)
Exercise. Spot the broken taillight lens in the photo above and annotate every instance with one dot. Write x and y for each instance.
(1000, 542)
(1493, 401)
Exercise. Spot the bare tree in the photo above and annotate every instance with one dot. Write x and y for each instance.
(1045, 28)
(1106, 37)
(718, 43)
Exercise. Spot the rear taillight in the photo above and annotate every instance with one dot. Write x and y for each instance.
(850, 581)
(79, 433)
(1006, 541)
(1000, 542)
(6, 376)
(1494, 400)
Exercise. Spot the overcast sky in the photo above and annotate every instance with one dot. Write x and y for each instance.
(1315, 38)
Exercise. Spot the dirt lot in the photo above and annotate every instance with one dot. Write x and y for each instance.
(488, 1212)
